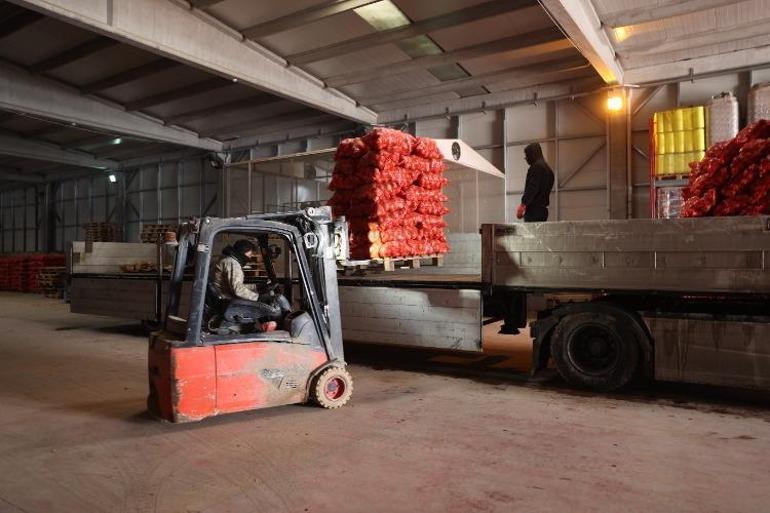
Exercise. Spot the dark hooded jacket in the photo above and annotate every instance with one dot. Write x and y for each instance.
(540, 178)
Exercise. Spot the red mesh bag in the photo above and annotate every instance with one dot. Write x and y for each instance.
(350, 148)
(730, 180)
(380, 160)
(732, 206)
(432, 181)
(378, 193)
(757, 130)
(424, 220)
(433, 208)
(426, 148)
(417, 164)
(389, 186)
(389, 140)
(699, 206)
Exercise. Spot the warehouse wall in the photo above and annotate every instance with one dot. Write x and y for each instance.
(21, 212)
(573, 133)
(159, 193)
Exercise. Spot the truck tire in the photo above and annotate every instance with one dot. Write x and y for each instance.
(596, 350)
(332, 388)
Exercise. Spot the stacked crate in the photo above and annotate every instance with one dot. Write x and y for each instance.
(679, 137)
(5, 272)
(50, 280)
(20, 272)
(102, 232)
(15, 273)
(152, 233)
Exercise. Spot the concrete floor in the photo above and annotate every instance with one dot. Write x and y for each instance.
(74, 438)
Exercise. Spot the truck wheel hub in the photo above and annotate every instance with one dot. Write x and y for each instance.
(594, 350)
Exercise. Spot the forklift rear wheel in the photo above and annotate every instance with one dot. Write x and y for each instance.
(595, 350)
(332, 388)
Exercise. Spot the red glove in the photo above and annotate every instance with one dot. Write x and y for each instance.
(521, 211)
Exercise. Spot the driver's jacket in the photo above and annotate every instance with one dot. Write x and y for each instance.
(227, 277)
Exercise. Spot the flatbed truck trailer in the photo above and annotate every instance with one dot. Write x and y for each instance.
(681, 300)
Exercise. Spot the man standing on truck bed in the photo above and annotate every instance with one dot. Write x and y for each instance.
(537, 190)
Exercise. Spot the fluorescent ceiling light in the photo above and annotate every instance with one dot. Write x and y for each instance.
(383, 15)
(112, 178)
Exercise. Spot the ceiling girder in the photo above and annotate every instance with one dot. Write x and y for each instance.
(525, 73)
(18, 21)
(485, 102)
(517, 42)
(451, 19)
(173, 30)
(243, 103)
(305, 16)
(16, 176)
(124, 77)
(73, 54)
(177, 94)
(660, 12)
(580, 21)
(29, 149)
(256, 124)
(47, 99)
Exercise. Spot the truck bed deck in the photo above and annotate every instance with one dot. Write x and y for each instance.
(718, 255)
(413, 280)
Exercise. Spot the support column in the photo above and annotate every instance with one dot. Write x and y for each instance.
(50, 218)
(617, 159)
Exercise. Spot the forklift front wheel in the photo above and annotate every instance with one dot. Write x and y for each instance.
(332, 388)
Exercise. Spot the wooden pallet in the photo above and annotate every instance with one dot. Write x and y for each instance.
(391, 264)
(50, 281)
(103, 232)
(672, 177)
(152, 233)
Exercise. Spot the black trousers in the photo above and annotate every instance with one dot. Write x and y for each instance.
(274, 310)
(536, 214)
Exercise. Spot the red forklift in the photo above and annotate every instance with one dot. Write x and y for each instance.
(199, 369)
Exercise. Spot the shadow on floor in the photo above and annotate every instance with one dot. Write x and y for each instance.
(704, 398)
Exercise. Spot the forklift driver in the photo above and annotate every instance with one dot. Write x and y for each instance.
(271, 305)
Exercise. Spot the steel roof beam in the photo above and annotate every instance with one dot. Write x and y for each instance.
(580, 21)
(29, 149)
(709, 37)
(524, 73)
(722, 44)
(174, 30)
(48, 129)
(713, 65)
(304, 132)
(467, 15)
(303, 17)
(517, 42)
(73, 54)
(48, 99)
(18, 21)
(486, 102)
(255, 124)
(177, 94)
(282, 125)
(660, 12)
(202, 4)
(16, 176)
(139, 72)
(243, 103)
